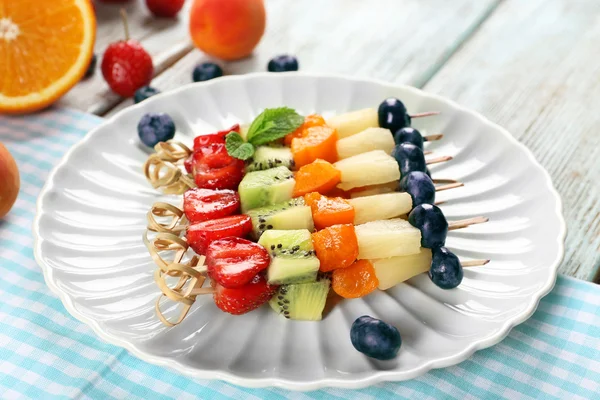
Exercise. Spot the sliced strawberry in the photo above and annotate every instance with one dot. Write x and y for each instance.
(189, 164)
(219, 137)
(204, 204)
(234, 262)
(245, 298)
(214, 168)
(201, 234)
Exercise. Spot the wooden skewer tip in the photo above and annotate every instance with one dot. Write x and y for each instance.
(425, 114)
(433, 138)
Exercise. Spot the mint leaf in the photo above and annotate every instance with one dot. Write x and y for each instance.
(236, 147)
(273, 124)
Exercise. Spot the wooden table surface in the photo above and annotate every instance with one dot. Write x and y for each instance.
(531, 66)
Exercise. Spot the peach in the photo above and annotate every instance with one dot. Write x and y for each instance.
(228, 30)
(9, 181)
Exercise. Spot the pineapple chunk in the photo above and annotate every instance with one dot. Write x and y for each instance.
(389, 238)
(376, 189)
(353, 122)
(367, 140)
(370, 168)
(392, 271)
(380, 206)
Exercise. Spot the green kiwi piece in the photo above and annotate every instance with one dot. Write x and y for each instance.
(301, 301)
(266, 157)
(293, 257)
(291, 214)
(263, 188)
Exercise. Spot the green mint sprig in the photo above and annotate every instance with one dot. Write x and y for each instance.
(270, 125)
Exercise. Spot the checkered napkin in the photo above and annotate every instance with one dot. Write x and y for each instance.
(45, 353)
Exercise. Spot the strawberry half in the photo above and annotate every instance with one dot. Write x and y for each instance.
(204, 204)
(214, 168)
(201, 234)
(189, 164)
(219, 137)
(234, 262)
(245, 298)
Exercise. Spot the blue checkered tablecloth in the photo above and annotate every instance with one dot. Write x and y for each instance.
(45, 353)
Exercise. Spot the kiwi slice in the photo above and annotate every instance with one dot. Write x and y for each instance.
(262, 188)
(266, 157)
(291, 214)
(293, 257)
(301, 301)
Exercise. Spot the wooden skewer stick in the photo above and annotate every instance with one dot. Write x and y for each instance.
(438, 160)
(433, 138)
(463, 223)
(474, 263)
(448, 186)
(424, 114)
(444, 180)
(426, 152)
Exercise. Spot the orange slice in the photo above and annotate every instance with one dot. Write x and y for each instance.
(45, 49)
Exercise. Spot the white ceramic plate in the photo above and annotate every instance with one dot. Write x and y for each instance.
(91, 216)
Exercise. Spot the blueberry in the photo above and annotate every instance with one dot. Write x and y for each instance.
(446, 271)
(419, 186)
(430, 220)
(155, 128)
(409, 158)
(205, 71)
(283, 63)
(375, 338)
(143, 93)
(393, 115)
(91, 67)
(409, 135)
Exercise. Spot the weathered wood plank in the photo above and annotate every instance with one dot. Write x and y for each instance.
(166, 40)
(398, 41)
(533, 68)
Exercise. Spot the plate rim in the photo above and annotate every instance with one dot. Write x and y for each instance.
(284, 383)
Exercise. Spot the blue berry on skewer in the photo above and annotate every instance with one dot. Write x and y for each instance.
(392, 114)
(430, 220)
(419, 186)
(409, 158)
(409, 135)
(446, 271)
(375, 338)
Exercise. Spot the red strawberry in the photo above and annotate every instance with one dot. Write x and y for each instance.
(201, 234)
(189, 164)
(246, 298)
(214, 168)
(219, 137)
(204, 204)
(165, 8)
(126, 67)
(234, 262)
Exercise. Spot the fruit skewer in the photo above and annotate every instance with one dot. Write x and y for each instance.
(413, 156)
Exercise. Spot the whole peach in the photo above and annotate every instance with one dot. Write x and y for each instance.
(227, 29)
(9, 181)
